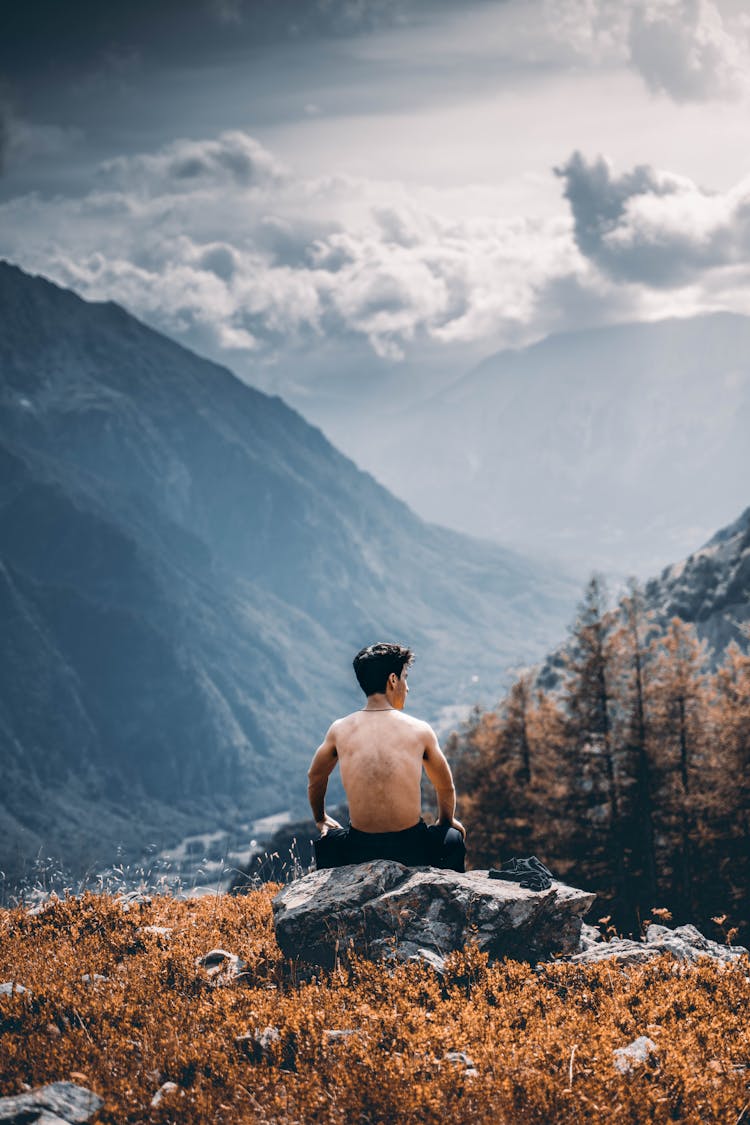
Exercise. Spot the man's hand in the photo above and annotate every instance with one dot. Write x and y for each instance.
(454, 824)
(326, 823)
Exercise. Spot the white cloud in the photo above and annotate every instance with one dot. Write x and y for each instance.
(689, 50)
(185, 166)
(215, 238)
(214, 242)
(656, 228)
(685, 49)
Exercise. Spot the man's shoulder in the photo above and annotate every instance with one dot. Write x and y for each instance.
(420, 726)
(412, 719)
(341, 723)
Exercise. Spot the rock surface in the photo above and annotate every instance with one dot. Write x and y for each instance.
(57, 1102)
(9, 987)
(384, 910)
(637, 1053)
(685, 943)
(164, 1091)
(221, 966)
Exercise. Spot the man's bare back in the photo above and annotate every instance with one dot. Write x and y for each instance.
(381, 753)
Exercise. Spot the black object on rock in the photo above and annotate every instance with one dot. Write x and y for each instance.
(530, 873)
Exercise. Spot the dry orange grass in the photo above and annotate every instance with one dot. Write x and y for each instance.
(541, 1043)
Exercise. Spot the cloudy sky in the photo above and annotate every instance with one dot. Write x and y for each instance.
(316, 191)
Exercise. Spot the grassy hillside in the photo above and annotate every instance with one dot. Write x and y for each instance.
(538, 1045)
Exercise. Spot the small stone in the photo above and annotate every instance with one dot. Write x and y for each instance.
(164, 1091)
(57, 1102)
(333, 1035)
(458, 1057)
(431, 958)
(158, 931)
(635, 1054)
(39, 908)
(8, 987)
(684, 943)
(95, 978)
(590, 936)
(131, 899)
(259, 1044)
(221, 966)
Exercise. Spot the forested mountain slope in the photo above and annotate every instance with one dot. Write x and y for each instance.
(624, 762)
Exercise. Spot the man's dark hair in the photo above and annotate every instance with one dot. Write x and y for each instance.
(374, 664)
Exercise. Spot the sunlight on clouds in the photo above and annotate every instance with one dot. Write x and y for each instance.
(689, 50)
(219, 239)
(223, 246)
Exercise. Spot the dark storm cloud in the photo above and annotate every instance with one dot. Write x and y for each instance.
(22, 141)
(652, 227)
(50, 40)
(4, 137)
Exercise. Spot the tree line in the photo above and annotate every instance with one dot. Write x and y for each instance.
(629, 775)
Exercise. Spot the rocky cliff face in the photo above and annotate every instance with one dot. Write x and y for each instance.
(710, 588)
(186, 568)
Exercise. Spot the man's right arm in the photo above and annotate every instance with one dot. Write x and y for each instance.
(323, 763)
(439, 772)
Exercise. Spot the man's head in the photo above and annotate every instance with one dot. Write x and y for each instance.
(374, 665)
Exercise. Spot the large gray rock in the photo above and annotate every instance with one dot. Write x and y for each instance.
(685, 943)
(55, 1104)
(384, 910)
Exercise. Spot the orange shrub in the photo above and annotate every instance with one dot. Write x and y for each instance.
(530, 1045)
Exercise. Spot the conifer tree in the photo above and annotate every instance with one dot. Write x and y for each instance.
(628, 646)
(732, 725)
(590, 706)
(678, 706)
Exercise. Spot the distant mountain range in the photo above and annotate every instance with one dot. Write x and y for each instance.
(186, 570)
(616, 448)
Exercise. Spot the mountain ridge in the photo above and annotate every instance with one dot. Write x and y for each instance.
(613, 448)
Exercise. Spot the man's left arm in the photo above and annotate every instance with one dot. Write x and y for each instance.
(321, 767)
(439, 772)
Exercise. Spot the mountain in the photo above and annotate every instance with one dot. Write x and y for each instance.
(710, 588)
(614, 448)
(186, 570)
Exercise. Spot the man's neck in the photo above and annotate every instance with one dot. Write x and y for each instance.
(378, 702)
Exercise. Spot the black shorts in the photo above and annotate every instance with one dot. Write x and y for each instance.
(422, 845)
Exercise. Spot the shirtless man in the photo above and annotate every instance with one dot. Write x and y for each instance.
(381, 752)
